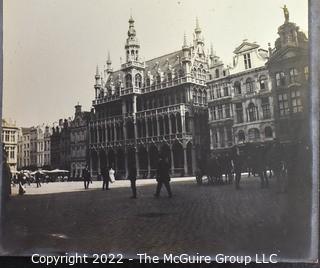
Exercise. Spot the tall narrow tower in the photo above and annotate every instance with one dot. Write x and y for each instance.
(132, 44)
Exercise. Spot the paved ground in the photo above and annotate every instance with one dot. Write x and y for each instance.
(60, 217)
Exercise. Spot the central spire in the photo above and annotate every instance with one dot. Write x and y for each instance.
(132, 44)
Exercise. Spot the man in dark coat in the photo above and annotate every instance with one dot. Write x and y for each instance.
(237, 164)
(132, 176)
(163, 177)
(86, 177)
(105, 178)
(38, 177)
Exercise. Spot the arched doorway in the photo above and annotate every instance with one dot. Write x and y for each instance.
(121, 169)
(189, 158)
(94, 163)
(103, 161)
(111, 159)
(143, 161)
(178, 158)
(153, 158)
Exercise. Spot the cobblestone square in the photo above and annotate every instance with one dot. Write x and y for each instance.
(62, 217)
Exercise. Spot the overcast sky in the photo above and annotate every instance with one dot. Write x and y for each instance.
(52, 47)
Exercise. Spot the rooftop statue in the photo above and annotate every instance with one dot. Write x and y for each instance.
(286, 13)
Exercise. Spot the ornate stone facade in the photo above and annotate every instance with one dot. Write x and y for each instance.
(152, 107)
(78, 142)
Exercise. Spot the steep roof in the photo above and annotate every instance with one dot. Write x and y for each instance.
(161, 63)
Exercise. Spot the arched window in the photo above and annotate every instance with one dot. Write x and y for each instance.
(263, 82)
(217, 73)
(237, 88)
(252, 112)
(169, 77)
(138, 80)
(241, 136)
(249, 85)
(268, 132)
(128, 81)
(181, 73)
(254, 134)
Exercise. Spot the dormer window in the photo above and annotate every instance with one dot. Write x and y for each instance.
(247, 61)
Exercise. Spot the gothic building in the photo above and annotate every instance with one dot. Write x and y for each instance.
(288, 68)
(78, 142)
(147, 108)
(60, 145)
(252, 99)
(264, 95)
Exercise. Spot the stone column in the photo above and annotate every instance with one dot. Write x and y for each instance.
(172, 161)
(137, 162)
(98, 164)
(183, 122)
(115, 131)
(211, 139)
(176, 120)
(90, 159)
(158, 128)
(218, 138)
(115, 161)
(126, 162)
(149, 161)
(106, 131)
(147, 127)
(134, 106)
(194, 164)
(185, 162)
(98, 134)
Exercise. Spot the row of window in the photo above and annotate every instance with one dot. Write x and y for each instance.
(138, 82)
(11, 151)
(282, 79)
(218, 91)
(296, 103)
(9, 136)
(254, 134)
(221, 111)
(250, 85)
(161, 100)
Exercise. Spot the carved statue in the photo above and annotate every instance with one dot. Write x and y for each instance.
(286, 13)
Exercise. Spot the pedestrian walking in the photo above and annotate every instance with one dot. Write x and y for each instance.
(112, 175)
(237, 164)
(105, 178)
(228, 169)
(260, 166)
(21, 183)
(163, 177)
(38, 179)
(132, 176)
(86, 177)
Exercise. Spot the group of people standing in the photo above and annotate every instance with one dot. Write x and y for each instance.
(258, 160)
(107, 175)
